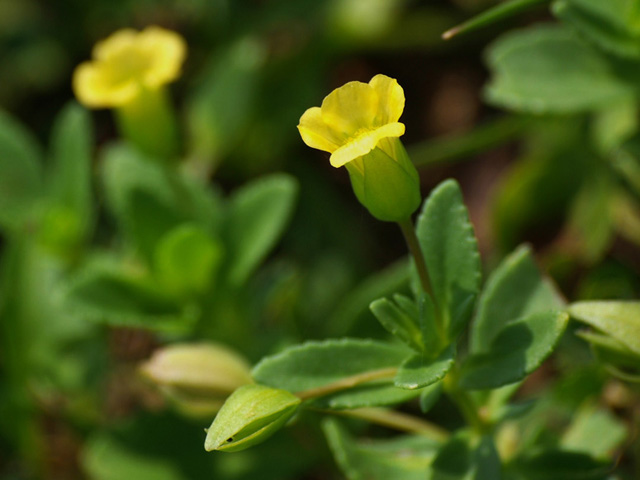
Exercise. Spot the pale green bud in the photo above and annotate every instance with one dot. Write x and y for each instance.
(197, 377)
(249, 416)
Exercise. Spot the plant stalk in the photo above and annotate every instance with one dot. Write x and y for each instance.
(396, 420)
(348, 382)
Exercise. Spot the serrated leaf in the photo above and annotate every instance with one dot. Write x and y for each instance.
(71, 170)
(402, 458)
(451, 253)
(516, 351)
(317, 364)
(514, 290)
(465, 457)
(401, 322)
(548, 69)
(612, 25)
(257, 215)
(21, 172)
(186, 259)
(620, 320)
(107, 296)
(419, 371)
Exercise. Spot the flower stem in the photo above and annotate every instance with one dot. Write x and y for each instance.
(423, 273)
(464, 402)
(397, 420)
(414, 247)
(347, 382)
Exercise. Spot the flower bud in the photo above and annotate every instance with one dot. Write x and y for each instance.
(249, 416)
(386, 182)
(197, 377)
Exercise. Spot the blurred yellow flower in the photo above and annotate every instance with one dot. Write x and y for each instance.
(354, 118)
(128, 63)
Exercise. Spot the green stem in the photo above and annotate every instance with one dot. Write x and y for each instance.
(347, 382)
(499, 12)
(457, 147)
(396, 420)
(465, 403)
(414, 247)
(423, 273)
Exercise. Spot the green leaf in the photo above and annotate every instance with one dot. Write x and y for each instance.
(515, 351)
(594, 431)
(223, 100)
(21, 172)
(148, 199)
(257, 215)
(401, 458)
(104, 458)
(71, 170)
(420, 371)
(103, 294)
(402, 320)
(451, 253)
(317, 364)
(591, 216)
(515, 289)
(554, 464)
(249, 416)
(610, 351)
(186, 259)
(466, 458)
(620, 320)
(612, 25)
(549, 69)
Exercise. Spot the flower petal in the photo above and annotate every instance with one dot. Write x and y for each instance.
(95, 89)
(391, 99)
(166, 50)
(316, 133)
(350, 108)
(364, 143)
(114, 44)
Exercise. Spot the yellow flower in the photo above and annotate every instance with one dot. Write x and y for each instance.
(128, 63)
(354, 118)
(358, 124)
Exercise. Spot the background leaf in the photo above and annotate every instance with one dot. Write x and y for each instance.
(20, 172)
(611, 25)
(620, 320)
(401, 458)
(258, 213)
(548, 69)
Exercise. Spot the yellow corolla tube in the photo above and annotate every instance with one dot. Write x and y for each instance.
(128, 73)
(358, 124)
